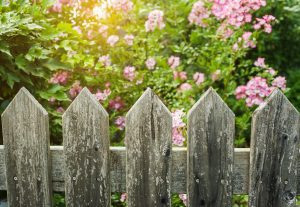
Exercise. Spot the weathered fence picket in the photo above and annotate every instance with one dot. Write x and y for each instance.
(86, 152)
(149, 169)
(25, 128)
(274, 152)
(210, 152)
(148, 158)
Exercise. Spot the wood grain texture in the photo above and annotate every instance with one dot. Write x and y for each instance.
(148, 155)
(25, 128)
(210, 152)
(86, 152)
(274, 153)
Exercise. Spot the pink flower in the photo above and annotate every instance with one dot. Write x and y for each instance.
(60, 110)
(279, 82)
(177, 137)
(183, 197)
(215, 75)
(60, 78)
(75, 89)
(177, 116)
(174, 62)
(102, 96)
(120, 122)
(260, 62)
(64, 1)
(185, 87)
(240, 92)
(255, 91)
(265, 23)
(116, 104)
(57, 7)
(105, 60)
(155, 20)
(179, 75)
(177, 126)
(198, 78)
(122, 5)
(198, 14)
(129, 73)
(103, 30)
(129, 39)
(112, 40)
(90, 34)
(150, 63)
(236, 12)
(271, 71)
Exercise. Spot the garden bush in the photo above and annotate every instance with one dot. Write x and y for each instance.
(179, 48)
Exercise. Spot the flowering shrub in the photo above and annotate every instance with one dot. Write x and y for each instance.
(118, 48)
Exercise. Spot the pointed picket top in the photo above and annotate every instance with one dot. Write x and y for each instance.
(276, 98)
(86, 152)
(25, 127)
(23, 96)
(273, 152)
(86, 97)
(209, 95)
(148, 135)
(210, 152)
(148, 96)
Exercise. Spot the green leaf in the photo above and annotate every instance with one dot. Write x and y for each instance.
(4, 47)
(54, 64)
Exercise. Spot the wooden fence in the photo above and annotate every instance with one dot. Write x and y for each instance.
(210, 170)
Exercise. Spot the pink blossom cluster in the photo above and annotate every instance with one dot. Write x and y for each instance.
(129, 39)
(59, 78)
(260, 62)
(181, 75)
(122, 5)
(177, 127)
(129, 73)
(102, 95)
(257, 89)
(103, 30)
(264, 23)
(183, 197)
(184, 87)
(198, 14)
(155, 20)
(75, 89)
(56, 7)
(120, 122)
(112, 40)
(150, 63)
(245, 41)
(105, 60)
(198, 78)
(224, 31)
(116, 104)
(279, 82)
(173, 62)
(236, 12)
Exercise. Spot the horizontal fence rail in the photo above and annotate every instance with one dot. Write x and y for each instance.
(210, 170)
(118, 168)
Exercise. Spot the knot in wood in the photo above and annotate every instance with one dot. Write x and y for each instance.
(289, 196)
